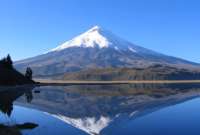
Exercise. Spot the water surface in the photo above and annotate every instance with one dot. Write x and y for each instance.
(142, 109)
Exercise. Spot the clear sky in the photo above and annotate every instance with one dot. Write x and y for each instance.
(31, 27)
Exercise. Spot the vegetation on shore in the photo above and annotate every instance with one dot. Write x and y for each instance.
(10, 76)
(155, 72)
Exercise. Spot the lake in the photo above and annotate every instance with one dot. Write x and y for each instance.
(126, 109)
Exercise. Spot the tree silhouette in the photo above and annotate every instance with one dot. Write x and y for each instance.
(29, 73)
(3, 61)
(9, 60)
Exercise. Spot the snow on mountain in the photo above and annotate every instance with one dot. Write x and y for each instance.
(96, 37)
(131, 49)
(91, 126)
(94, 125)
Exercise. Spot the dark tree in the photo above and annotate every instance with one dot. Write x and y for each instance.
(3, 61)
(29, 73)
(9, 60)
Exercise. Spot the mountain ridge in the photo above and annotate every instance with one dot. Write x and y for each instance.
(98, 48)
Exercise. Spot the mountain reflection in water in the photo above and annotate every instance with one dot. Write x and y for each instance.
(98, 109)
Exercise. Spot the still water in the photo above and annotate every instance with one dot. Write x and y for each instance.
(137, 109)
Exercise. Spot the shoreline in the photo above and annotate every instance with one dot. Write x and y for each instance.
(42, 82)
(66, 82)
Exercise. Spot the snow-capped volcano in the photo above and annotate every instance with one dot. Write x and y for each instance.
(92, 38)
(97, 48)
(96, 37)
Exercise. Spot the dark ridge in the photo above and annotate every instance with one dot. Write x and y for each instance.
(10, 76)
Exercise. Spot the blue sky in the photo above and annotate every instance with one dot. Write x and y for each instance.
(31, 27)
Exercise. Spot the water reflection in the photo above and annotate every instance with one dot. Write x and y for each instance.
(98, 109)
(7, 97)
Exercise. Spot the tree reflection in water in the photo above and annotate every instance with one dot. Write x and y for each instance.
(7, 97)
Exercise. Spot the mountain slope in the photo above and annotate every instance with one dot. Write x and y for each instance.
(155, 72)
(97, 48)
